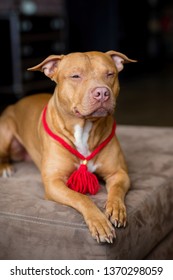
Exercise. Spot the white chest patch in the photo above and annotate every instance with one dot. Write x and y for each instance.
(81, 135)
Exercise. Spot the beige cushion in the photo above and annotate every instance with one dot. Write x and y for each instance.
(34, 228)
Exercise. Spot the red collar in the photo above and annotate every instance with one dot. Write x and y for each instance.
(74, 151)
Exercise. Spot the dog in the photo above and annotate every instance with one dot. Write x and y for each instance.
(81, 114)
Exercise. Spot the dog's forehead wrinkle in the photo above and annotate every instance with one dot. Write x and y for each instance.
(75, 63)
(100, 66)
(88, 59)
(88, 62)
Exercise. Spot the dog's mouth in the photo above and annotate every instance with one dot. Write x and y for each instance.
(98, 113)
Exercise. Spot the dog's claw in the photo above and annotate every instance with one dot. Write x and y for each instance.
(97, 238)
(111, 239)
(107, 239)
(7, 172)
(115, 223)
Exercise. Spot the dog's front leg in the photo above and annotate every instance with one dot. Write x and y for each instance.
(99, 225)
(117, 186)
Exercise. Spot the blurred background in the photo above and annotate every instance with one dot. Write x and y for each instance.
(143, 30)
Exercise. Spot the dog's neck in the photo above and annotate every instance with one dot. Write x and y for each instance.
(83, 133)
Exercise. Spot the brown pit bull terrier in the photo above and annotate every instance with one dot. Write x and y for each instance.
(81, 113)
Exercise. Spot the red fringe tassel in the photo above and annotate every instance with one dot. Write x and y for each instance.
(83, 181)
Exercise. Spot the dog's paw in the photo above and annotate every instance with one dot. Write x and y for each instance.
(6, 170)
(100, 227)
(116, 213)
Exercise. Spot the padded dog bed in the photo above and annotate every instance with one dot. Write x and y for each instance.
(34, 228)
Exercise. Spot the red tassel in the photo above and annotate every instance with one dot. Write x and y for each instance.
(83, 181)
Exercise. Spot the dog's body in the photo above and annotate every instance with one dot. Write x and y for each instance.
(81, 112)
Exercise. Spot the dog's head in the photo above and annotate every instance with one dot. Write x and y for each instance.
(87, 82)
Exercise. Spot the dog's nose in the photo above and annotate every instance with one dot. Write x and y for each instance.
(101, 94)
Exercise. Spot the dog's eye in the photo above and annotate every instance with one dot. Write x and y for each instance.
(76, 76)
(110, 74)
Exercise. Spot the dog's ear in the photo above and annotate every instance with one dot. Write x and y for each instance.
(119, 59)
(48, 66)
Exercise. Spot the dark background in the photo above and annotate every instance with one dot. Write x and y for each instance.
(142, 30)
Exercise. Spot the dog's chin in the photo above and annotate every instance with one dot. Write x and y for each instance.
(98, 113)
